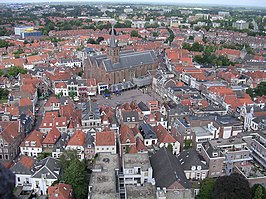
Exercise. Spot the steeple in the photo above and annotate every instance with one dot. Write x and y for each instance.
(112, 39)
(113, 49)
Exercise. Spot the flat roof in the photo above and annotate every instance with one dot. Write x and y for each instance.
(201, 131)
(137, 160)
(103, 176)
(147, 191)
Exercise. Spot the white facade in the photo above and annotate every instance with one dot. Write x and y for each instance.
(22, 179)
(196, 173)
(106, 149)
(61, 90)
(176, 146)
(19, 30)
(30, 151)
(41, 184)
(150, 142)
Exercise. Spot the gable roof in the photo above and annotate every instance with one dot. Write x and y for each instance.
(189, 158)
(78, 139)
(23, 166)
(10, 131)
(36, 136)
(52, 137)
(126, 134)
(167, 169)
(48, 167)
(105, 138)
(60, 191)
(163, 135)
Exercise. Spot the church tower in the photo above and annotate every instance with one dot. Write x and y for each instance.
(113, 50)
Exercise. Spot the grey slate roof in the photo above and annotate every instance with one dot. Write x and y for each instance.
(143, 106)
(147, 131)
(48, 168)
(130, 114)
(167, 169)
(189, 158)
(19, 168)
(130, 60)
(90, 109)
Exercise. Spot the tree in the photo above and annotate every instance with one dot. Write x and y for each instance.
(234, 186)
(67, 157)
(188, 144)
(260, 90)
(75, 175)
(99, 39)
(206, 189)
(134, 33)
(15, 70)
(1, 73)
(170, 147)
(4, 94)
(258, 191)
(91, 41)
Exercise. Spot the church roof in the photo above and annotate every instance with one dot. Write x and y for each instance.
(130, 60)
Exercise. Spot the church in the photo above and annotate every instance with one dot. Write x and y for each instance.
(117, 66)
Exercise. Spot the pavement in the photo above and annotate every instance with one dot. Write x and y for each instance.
(137, 95)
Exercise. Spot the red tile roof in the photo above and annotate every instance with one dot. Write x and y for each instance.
(78, 139)
(36, 136)
(60, 191)
(126, 134)
(105, 138)
(162, 135)
(52, 137)
(27, 161)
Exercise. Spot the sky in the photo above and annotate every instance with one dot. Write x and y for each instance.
(253, 3)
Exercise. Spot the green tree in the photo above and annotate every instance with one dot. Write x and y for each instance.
(4, 94)
(67, 157)
(260, 90)
(1, 73)
(134, 33)
(75, 175)
(91, 41)
(15, 70)
(258, 191)
(234, 186)
(170, 147)
(188, 144)
(206, 189)
(4, 44)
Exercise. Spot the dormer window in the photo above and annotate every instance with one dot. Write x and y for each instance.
(63, 123)
(44, 124)
(27, 143)
(193, 168)
(56, 123)
(50, 124)
(33, 143)
(133, 119)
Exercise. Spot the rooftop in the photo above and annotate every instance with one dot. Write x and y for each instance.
(103, 176)
(137, 160)
(140, 192)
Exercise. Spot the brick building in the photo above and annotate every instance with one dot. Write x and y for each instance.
(118, 66)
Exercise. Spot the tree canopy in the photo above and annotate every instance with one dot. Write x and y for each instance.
(206, 189)
(258, 192)
(15, 70)
(77, 176)
(234, 186)
(3, 94)
(134, 33)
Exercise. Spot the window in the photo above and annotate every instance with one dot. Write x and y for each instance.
(1, 157)
(6, 157)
